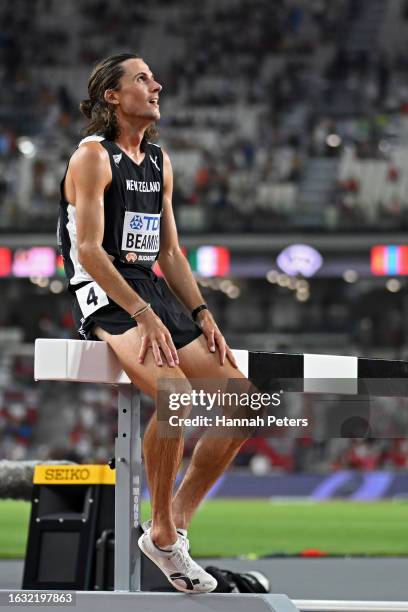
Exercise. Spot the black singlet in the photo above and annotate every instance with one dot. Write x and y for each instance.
(132, 206)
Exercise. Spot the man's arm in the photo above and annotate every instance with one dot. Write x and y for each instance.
(173, 264)
(177, 271)
(91, 174)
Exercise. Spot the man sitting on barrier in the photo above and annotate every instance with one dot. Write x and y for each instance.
(116, 219)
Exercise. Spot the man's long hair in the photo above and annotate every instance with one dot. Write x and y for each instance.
(101, 115)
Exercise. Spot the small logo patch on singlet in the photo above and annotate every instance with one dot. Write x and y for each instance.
(117, 158)
(154, 161)
(136, 223)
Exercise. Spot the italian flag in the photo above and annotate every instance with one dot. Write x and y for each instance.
(210, 261)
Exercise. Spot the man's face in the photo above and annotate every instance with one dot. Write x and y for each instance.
(138, 94)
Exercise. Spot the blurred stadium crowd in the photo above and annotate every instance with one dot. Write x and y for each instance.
(294, 121)
(279, 117)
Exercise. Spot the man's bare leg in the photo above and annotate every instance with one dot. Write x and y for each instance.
(157, 451)
(212, 455)
(161, 544)
(162, 456)
(210, 459)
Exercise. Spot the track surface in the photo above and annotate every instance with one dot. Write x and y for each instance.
(347, 579)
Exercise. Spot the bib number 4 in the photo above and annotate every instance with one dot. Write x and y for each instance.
(90, 298)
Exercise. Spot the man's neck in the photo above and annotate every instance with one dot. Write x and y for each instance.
(130, 138)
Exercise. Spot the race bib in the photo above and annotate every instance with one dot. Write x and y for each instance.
(91, 297)
(141, 237)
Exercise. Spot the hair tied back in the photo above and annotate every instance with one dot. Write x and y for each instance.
(86, 108)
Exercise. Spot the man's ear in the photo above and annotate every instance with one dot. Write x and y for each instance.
(110, 96)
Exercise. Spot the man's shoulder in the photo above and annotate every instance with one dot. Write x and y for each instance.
(90, 147)
(91, 138)
(89, 152)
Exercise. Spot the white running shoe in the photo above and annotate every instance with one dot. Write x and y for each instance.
(177, 565)
(183, 532)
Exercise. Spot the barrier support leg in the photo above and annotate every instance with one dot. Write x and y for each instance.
(128, 462)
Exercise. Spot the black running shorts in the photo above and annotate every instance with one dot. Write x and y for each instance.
(91, 306)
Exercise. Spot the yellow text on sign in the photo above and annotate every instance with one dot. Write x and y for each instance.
(73, 474)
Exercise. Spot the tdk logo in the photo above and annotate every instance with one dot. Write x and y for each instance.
(136, 222)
